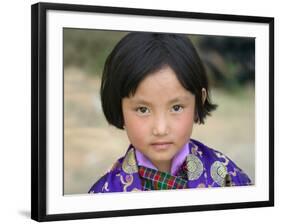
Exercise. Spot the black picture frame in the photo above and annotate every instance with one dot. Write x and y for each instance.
(39, 116)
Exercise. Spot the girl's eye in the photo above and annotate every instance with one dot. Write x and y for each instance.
(143, 110)
(177, 108)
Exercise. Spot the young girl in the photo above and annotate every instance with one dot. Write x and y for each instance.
(155, 87)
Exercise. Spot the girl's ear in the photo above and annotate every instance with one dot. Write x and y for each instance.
(204, 95)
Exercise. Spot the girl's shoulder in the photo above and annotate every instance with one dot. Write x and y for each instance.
(217, 164)
(122, 177)
(103, 183)
(207, 153)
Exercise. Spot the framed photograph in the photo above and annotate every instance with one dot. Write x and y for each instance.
(141, 111)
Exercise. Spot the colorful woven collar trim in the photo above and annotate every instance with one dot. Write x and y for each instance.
(157, 180)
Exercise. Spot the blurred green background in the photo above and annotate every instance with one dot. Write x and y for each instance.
(91, 146)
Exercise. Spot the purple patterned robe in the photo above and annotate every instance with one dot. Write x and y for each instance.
(206, 167)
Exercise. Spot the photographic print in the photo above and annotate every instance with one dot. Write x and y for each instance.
(82, 82)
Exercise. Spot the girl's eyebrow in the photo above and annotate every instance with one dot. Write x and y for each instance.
(173, 100)
(141, 101)
(179, 99)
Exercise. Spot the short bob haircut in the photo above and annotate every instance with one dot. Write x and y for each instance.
(140, 54)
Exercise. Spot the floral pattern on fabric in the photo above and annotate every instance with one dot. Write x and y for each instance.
(203, 167)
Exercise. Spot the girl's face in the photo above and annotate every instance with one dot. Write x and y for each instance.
(159, 117)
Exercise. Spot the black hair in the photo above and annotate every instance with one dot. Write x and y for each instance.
(139, 54)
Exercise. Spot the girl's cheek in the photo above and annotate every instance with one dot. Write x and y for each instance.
(138, 134)
(141, 127)
(184, 123)
(137, 126)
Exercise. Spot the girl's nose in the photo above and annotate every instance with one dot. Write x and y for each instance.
(160, 126)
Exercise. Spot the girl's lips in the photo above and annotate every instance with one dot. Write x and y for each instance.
(161, 145)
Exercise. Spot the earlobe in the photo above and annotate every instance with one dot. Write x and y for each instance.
(204, 95)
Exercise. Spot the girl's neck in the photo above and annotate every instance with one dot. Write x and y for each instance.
(163, 166)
